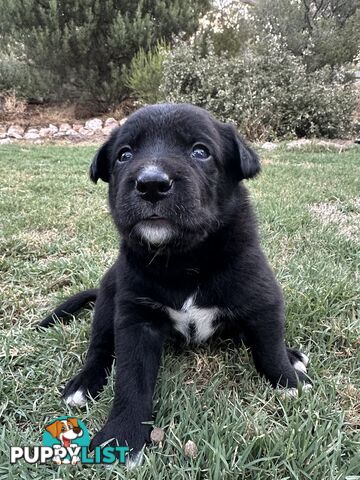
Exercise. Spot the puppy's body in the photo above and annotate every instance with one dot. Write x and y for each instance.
(190, 267)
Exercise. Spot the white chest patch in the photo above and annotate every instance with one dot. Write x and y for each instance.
(194, 319)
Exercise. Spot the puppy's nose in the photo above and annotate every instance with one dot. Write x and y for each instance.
(153, 184)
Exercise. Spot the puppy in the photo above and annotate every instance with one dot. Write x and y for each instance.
(190, 266)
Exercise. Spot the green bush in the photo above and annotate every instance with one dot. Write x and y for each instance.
(85, 46)
(320, 32)
(20, 78)
(266, 91)
(146, 72)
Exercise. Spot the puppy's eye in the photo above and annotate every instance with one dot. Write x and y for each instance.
(125, 154)
(200, 152)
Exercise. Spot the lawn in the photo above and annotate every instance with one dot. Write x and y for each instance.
(58, 238)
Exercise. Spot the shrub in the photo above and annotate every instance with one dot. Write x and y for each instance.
(11, 104)
(146, 72)
(20, 78)
(320, 32)
(86, 46)
(267, 92)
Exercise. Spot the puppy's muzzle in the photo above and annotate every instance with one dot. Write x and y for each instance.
(153, 184)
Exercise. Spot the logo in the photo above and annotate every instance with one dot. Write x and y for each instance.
(66, 440)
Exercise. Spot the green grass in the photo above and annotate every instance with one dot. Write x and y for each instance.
(58, 238)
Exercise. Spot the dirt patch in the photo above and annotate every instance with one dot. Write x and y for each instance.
(346, 218)
(12, 111)
(350, 401)
(37, 238)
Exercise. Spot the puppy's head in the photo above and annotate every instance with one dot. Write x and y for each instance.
(173, 171)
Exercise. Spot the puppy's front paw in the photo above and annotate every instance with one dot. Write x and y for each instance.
(303, 383)
(298, 359)
(124, 431)
(82, 385)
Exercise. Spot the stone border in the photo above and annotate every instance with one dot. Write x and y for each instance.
(96, 129)
(304, 142)
(76, 131)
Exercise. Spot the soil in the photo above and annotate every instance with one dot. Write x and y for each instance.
(41, 115)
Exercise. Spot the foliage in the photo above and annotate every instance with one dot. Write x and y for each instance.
(87, 45)
(225, 29)
(21, 78)
(266, 92)
(321, 32)
(146, 72)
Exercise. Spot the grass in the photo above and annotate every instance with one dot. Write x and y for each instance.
(58, 238)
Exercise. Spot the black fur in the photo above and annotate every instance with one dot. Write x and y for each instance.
(71, 306)
(212, 250)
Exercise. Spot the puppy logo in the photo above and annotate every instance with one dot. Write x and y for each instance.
(66, 440)
(66, 435)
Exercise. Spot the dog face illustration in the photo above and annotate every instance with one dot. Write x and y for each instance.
(65, 430)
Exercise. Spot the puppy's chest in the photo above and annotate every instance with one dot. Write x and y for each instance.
(196, 324)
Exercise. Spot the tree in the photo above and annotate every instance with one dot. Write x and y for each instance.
(84, 47)
(322, 32)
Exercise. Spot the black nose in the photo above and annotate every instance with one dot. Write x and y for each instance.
(153, 184)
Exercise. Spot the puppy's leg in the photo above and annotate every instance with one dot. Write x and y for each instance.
(265, 336)
(138, 347)
(92, 377)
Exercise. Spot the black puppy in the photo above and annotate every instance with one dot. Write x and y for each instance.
(190, 264)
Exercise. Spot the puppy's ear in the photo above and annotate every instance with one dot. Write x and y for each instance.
(101, 165)
(247, 161)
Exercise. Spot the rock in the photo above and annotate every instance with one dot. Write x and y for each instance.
(77, 126)
(157, 435)
(15, 131)
(59, 134)
(53, 129)
(333, 145)
(4, 141)
(94, 124)
(269, 146)
(302, 142)
(64, 127)
(44, 132)
(122, 121)
(31, 135)
(72, 133)
(110, 121)
(190, 449)
(2, 132)
(86, 132)
(107, 130)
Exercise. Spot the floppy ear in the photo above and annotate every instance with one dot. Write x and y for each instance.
(101, 165)
(247, 161)
(73, 421)
(54, 428)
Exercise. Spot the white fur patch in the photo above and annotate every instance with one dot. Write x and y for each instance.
(77, 399)
(154, 234)
(300, 366)
(294, 392)
(304, 359)
(190, 314)
(135, 460)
